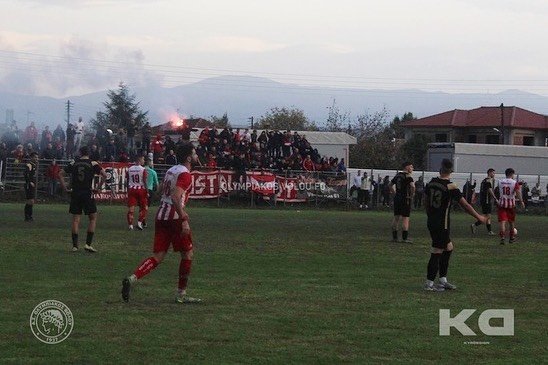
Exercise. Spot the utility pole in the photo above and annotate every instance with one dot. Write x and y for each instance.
(501, 123)
(67, 107)
(251, 120)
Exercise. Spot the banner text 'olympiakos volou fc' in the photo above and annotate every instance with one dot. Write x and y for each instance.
(210, 184)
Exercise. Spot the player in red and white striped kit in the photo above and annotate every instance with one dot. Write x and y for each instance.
(509, 189)
(171, 226)
(137, 194)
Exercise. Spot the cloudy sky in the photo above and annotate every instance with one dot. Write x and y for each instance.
(62, 48)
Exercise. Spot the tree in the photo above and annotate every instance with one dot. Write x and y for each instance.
(220, 122)
(375, 146)
(398, 124)
(336, 121)
(414, 150)
(121, 111)
(284, 118)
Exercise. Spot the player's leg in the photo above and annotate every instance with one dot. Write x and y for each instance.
(143, 208)
(74, 230)
(488, 224)
(502, 217)
(405, 227)
(90, 209)
(29, 204)
(92, 217)
(148, 264)
(395, 225)
(162, 241)
(444, 266)
(502, 232)
(474, 226)
(130, 214)
(433, 264)
(511, 226)
(183, 244)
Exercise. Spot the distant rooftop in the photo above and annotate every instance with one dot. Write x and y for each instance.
(485, 116)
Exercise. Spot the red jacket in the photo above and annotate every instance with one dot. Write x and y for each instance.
(53, 172)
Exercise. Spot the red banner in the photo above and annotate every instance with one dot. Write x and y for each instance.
(208, 185)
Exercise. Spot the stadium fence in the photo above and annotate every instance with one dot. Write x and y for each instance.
(223, 187)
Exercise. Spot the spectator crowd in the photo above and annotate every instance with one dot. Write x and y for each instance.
(237, 149)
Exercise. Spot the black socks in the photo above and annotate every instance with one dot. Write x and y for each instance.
(433, 266)
(28, 211)
(89, 238)
(444, 263)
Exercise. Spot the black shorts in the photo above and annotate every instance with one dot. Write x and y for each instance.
(440, 238)
(402, 207)
(82, 200)
(486, 208)
(30, 193)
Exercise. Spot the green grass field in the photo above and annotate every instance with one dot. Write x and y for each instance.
(278, 286)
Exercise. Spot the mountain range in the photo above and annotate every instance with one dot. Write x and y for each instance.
(244, 96)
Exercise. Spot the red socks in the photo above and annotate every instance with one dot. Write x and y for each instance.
(130, 218)
(146, 266)
(142, 215)
(150, 264)
(184, 271)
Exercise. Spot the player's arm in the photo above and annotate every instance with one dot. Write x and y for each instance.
(470, 210)
(28, 178)
(519, 195)
(183, 183)
(98, 170)
(392, 187)
(491, 192)
(426, 200)
(156, 183)
(177, 198)
(62, 175)
(102, 178)
(412, 190)
(145, 178)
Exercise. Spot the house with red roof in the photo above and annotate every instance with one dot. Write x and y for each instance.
(490, 125)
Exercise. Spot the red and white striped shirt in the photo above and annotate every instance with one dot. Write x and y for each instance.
(137, 177)
(179, 176)
(508, 188)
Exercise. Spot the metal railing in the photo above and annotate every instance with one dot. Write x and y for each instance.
(316, 189)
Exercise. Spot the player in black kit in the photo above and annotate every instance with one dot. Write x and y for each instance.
(487, 196)
(30, 185)
(439, 196)
(403, 188)
(82, 172)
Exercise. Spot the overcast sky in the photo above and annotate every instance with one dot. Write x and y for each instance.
(62, 48)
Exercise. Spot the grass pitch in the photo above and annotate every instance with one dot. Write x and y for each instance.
(278, 287)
